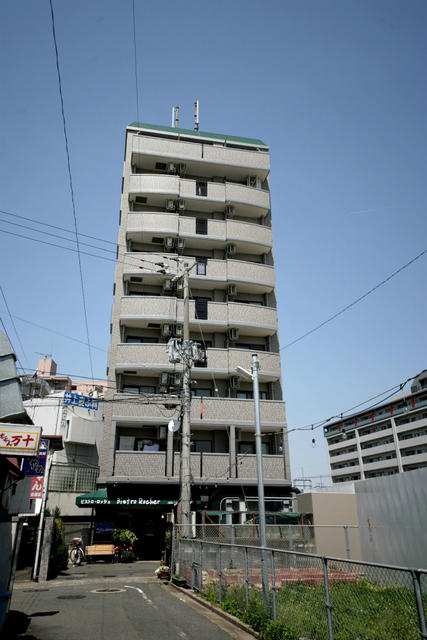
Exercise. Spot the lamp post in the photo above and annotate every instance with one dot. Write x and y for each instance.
(258, 450)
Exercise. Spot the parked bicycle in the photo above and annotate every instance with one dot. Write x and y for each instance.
(77, 555)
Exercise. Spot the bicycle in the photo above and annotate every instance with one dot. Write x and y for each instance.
(77, 555)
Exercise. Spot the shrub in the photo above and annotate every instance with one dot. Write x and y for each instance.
(276, 630)
(232, 607)
(256, 616)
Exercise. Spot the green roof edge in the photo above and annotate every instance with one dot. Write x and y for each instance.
(201, 134)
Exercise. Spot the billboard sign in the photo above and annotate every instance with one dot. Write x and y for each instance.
(36, 466)
(19, 439)
(76, 400)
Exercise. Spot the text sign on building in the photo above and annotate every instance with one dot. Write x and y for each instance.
(36, 490)
(19, 440)
(36, 466)
(76, 400)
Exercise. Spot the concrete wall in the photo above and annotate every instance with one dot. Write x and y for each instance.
(393, 518)
(330, 512)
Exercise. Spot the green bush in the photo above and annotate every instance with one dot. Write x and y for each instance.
(256, 616)
(276, 630)
(232, 607)
(124, 536)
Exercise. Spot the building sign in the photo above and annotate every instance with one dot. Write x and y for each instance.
(36, 490)
(76, 400)
(19, 439)
(36, 466)
(100, 499)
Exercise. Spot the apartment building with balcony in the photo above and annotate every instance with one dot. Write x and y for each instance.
(204, 199)
(388, 439)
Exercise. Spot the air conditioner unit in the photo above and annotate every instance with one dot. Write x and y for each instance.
(171, 168)
(164, 379)
(168, 285)
(168, 243)
(229, 210)
(178, 330)
(231, 290)
(181, 167)
(180, 204)
(170, 205)
(166, 330)
(180, 243)
(234, 382)
(231, 249)
(233, 334)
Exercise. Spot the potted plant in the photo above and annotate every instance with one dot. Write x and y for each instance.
(163, 571)
(179, 580)
(124, 539)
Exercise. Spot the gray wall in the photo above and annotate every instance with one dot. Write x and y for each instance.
(392, 515)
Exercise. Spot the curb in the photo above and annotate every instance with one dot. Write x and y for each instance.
(220, 612)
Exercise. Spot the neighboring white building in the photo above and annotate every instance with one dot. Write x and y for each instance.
(204, 197)
(387, 439)
(76, 467)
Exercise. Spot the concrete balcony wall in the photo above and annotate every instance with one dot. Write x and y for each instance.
(420, 441)
(136, 411)
(250, 272)
(251, 315)
(216, 229)
(345, 457)
(418, 458)
(381, 448)
(346, 471)
(155, 184)
(240, 193)
(379, 434)
(249, 232)
(148, 464)
(410, 426)
(224, 155)
(380, 465)
(159, 223)
(202, 153)
(273, 467)
(154, 357)
(154, 308)
(163, 148)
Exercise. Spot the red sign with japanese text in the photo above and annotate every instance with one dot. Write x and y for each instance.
(36, 487)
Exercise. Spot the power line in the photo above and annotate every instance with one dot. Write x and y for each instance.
(135, 62)
(13, 324)
(63, 335)
(71, 185)
(352, 304)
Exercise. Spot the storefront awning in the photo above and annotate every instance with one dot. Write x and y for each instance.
(100, 499)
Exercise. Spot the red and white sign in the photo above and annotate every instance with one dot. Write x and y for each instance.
(19, 440)
(36, 487)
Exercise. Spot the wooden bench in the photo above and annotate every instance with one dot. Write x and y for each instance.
(100, 550)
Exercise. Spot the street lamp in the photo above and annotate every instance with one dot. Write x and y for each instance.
(258, 449)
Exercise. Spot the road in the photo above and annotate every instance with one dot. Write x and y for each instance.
(107, 602)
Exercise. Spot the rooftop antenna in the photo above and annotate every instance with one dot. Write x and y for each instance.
(173, 117)
(176, 116)
(45, 355)
(196, 115)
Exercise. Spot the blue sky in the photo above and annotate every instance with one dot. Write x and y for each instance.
(335, 88)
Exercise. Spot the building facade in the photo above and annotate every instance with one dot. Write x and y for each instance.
(201, 199)
(390, 438)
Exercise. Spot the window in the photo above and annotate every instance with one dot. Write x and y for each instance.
(203, 446)
(201, 188)
(201, 266)
(147, 389)
(126, 443)
(129, 389)
(142, 444)
(244, 395)
(202, 393)
(249, 447)
(201, 308)
(201, 226)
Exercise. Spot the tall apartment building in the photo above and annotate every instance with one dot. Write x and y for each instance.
(201, 198)
(390, 438)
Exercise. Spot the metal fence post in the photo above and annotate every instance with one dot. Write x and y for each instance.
(219, 575)
(291, 546)
(193, 568)
(273, 584)
(173, 546)
(201, 567)
(246, 577)
(327, 598)
(420, 604)
(347, 542)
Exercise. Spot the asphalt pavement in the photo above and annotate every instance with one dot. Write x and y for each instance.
(104, 601)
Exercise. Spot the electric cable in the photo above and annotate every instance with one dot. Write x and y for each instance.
(13, 325)
(63, 335)
(71, 186)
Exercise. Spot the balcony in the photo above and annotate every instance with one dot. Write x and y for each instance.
(346, 471)
(217, 412)
(252, 277)
(250, 319)
(205, 468)
(153, 358)
(345, 457)
(202, 159)
(378, 450)
(248, 237)
(380, 465)
(162, 185)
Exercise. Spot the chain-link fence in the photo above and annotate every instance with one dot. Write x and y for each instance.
(339, 540)
(313, 597)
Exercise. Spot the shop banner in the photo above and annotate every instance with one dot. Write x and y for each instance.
(36, 490)
(36, 466)
(19, 439)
